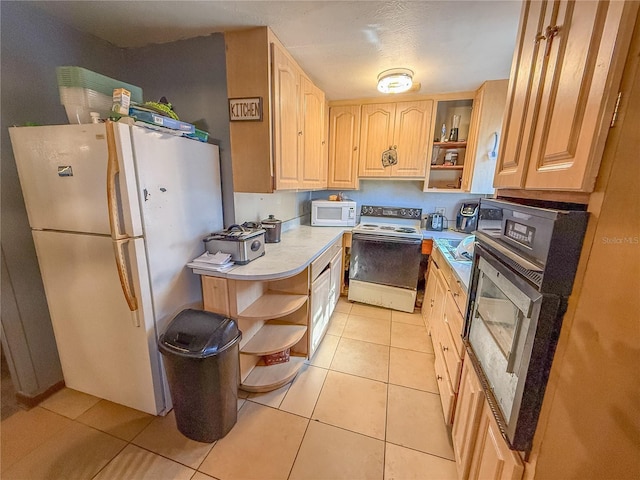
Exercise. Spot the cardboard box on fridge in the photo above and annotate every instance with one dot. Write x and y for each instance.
(121, 100)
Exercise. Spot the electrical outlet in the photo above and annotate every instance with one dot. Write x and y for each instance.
(439, 210)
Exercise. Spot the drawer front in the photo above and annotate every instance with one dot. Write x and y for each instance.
(320, 263)
(437, 257)
(447, 396)
(459, 294)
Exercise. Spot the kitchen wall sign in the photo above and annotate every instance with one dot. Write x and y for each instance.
(245, 109)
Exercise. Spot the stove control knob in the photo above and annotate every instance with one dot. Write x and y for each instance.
(403, 212)
(411, 212)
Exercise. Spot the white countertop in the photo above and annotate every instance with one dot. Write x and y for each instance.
(296, 250)
(301, 245)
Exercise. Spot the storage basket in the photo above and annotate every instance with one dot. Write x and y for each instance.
(80, 102)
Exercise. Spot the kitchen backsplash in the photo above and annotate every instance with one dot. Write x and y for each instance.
(403, 193)
(294, 208)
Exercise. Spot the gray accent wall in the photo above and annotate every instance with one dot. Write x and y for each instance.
(190, 73)
(32, 45)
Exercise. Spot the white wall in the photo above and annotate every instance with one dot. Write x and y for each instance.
(292, 207)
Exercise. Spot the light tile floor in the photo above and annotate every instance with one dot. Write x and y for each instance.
(366, 406)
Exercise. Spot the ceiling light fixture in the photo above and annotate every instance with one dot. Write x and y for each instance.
(396, 80)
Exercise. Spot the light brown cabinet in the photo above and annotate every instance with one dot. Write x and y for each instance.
(312, 155)
(480, 450)
(445, 321)
(344, 132)
(485, 131)
(402, 127)
(467, 417)
(287, 148)
(562, 93)
(492, 459)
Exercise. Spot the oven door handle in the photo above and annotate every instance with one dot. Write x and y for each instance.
(366, 237)
(524, 263)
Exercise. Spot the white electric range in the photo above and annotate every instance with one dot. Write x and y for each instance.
(385, 257)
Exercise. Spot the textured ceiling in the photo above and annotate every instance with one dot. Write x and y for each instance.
(342, 45)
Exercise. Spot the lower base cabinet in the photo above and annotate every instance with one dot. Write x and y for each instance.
(480, 450)
(276, 315)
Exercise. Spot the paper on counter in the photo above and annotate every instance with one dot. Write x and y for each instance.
(218, 262)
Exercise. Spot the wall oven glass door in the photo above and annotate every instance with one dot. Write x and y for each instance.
(500, 320)
(507, 345)
(385, 260)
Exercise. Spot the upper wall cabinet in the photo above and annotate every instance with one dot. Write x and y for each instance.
(484, 133)
(394, 139)
(286, 148)
(562, 93)
(344, 132)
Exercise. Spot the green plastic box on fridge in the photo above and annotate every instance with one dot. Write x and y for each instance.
(81, 77)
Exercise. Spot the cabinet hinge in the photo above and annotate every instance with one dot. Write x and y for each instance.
(615, 110)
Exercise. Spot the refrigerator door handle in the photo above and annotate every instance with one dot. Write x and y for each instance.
(113, 172)
(119, 238)
(125, 282)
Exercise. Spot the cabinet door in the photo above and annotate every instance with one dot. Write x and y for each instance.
(319, 322)
(376, 136)
(429, 296)
(411, 135)
(313, 164)
(336, 275)
(344, 131)
(286, 85)
(492, 458)
(566, 69)
(520, 112)
(466, 418)
(577, 96)
(484, 132)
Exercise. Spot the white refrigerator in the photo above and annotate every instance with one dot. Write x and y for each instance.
(116, 213)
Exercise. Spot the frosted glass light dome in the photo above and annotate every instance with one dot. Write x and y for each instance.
(396, 80)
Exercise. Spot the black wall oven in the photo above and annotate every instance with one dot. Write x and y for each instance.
(521, 278)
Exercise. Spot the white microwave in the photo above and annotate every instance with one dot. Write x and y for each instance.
(326, 213)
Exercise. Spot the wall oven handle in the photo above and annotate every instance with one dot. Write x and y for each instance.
(384, 238)
(524, 263)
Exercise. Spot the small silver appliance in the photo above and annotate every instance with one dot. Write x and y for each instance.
(242, 243)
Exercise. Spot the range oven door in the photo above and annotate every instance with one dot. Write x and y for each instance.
(385, 260)
(511, 328)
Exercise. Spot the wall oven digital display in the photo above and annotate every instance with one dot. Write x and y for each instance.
(523, 234)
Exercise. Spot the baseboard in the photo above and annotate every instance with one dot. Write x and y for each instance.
(30, 402)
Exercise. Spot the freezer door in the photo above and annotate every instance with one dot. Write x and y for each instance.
(181, 203)
(105, 349)
(63, 171)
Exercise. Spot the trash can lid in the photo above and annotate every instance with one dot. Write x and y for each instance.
(196, 333)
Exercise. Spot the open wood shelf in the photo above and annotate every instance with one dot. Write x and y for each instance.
(447, 167)
(450, 144)
(273, 305)
(274, 337)
(265, 378)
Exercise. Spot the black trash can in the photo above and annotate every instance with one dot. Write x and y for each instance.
(200, 351)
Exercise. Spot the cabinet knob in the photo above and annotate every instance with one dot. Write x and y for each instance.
(445, 349)
(438, 377)
(299, 133)
(355, 148)
(455, 294)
